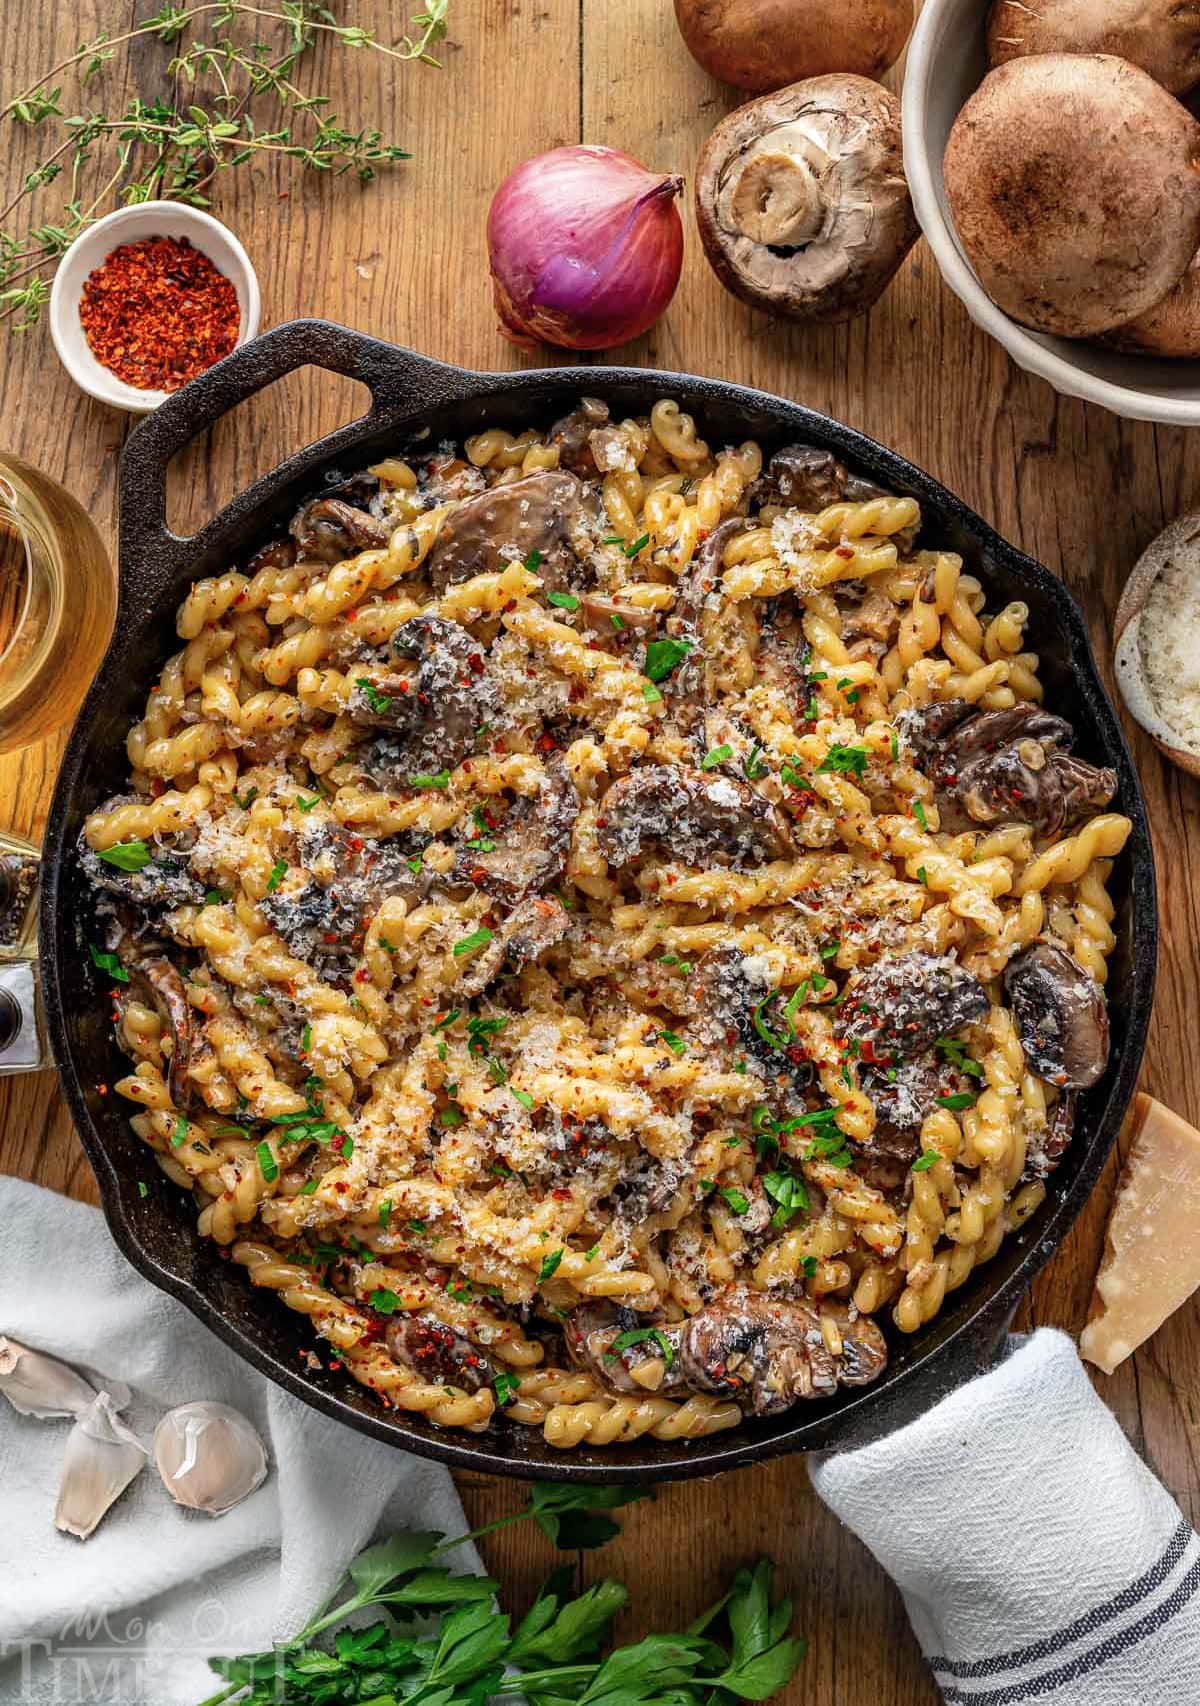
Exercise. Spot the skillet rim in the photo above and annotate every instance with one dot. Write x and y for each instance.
(949, 1354)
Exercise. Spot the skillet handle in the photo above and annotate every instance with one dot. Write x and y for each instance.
(150, 555)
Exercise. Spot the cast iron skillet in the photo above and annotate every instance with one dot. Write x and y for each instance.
(412, 397)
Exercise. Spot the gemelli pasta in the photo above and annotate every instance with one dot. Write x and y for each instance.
(604, 926)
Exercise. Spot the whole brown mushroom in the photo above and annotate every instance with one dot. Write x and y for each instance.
(1161, 36)
(762, 45)
(801, 199)
(1074, 183)
(1171, 327)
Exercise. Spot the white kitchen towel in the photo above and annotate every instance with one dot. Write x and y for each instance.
(129, 1616)
(1040, 1560)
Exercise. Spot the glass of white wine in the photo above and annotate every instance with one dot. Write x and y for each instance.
(57, 601)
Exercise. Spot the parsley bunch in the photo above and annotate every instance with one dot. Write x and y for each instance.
(472, 1652)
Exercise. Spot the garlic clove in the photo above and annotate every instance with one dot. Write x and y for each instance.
(103, 1456)
(209, 1456)
(39, 1385)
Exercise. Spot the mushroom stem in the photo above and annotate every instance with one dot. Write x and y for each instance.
(775, 196)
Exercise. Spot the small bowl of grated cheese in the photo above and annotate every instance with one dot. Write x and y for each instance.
(1156, 652)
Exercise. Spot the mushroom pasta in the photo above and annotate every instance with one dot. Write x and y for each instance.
(601, 923)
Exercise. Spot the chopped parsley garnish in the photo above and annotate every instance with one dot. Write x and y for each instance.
(737, 1200)
(479, 1029)
(213, 897)
(498, 1070)
(550, 1265)
(248, 799)
(143, 1188)
(829, 950)
(613, 539)
(808, 1266)
(771, 1038)
(458, 1288)
(525, 1099)
(963, 1099)
(451, 1116)
(662, 656)
(384, 1300)
(798, 995)
(179, 1135)
(378, 701)
(418, 1225)
(278, 873)
(347, 1147)
(447, 1019)
(564, 600)
(718, 755)
(307, 805)
(637, 545)
(385, 1212)
(754, 768)
(477, 939)
(639, 1336)
(616, 621)
(414, 865)
(126, 855)
(505, 1385)
(957, 1055)
(788, 1190)
(651, 694)
(267, 1162)
(306, 1039)
(674, 1043)
(844, 761)
(308, 1188)
(919, 814)
(424, 780)
(895, 744)
(109, 963)
(923, 875)
(533, 562)
(790, 776)
(924, 1162)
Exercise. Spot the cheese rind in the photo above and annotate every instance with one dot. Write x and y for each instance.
(1151, 1259)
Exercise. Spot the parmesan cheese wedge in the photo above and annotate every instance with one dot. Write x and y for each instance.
(1152, 1248)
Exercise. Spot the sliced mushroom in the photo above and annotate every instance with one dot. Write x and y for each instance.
(897, 1008)
(278, 554)
(542, 512)
(432, 719)
(533, 926)
(800, 476)
(530, 846)
(801, 199)
(902, 1096)
(438, 1353)
(650, 1363)
(1061, 1019)
(1060, 1128)
(159, 984)
(337, 524)
(698, 817)
(686, 686)
(767, 1353)
(609, 616)
(323, 922)
(1006, 766)
(737, 1011)
(571, 436)
(162, 884)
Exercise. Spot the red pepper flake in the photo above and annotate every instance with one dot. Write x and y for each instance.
(157, 313)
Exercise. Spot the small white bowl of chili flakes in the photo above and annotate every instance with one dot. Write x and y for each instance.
(146, 299)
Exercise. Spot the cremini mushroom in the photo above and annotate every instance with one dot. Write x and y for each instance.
(526, 853)
(697, 816)
(1171, 328)
(1162, 36)
(571, 436)
(897, 1008)
(767, 1353)
(801, 199)
(1061, 1019)
(337, 524)
(209, 1456)
(159, 984)
(762, 44)
(1011, 766)
(1074, 182)
(438, 1353)
(429, 720)
(625, 1352)
(541, 512)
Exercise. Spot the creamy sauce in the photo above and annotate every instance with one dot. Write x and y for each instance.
(1169, 646)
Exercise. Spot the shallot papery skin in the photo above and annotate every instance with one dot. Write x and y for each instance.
(585, 247)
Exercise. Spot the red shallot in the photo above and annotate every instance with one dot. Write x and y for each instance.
(585, 247)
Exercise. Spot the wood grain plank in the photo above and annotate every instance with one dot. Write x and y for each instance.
(406, 259)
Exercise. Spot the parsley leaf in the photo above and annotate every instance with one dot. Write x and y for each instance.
(423, 780)
(844, 760)
(550, 1265)
(278, 872)
(964, 1099)
(718, 755)
(639, 1336)
(477, 939)
(129, 856)
(109, 963)
(925, 1161)
(384, 1300)
(662, 656)
(737, 1200)
(564, 600)
(789, 1191)
(378, 701)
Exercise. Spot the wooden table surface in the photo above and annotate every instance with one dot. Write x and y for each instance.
(405, 259)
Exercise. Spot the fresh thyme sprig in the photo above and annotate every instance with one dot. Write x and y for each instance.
(173, 148)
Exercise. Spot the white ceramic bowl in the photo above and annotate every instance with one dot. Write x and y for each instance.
(134, 225)
(946, 64)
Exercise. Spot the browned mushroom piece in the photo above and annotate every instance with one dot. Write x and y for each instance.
(610, 616)
(278, 554)
(902, 1096)
(155, 981)
(165, 882)
(800, 476)
(686, 687)
(1161, 36)
(530, 846)
(1056, 1138)
(768, 1353)
(531, 928)
(1072, 181)
(349, 875)
(570, 436)
(1061, 1019)
(697, 818)
(1006, 766)
(647, 1360)
(801, 199)
(438, 1353)
(864, 1354)
(337, 524)
(432, 719)
(897, 1008)
(542, 512)
(737, 1012)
